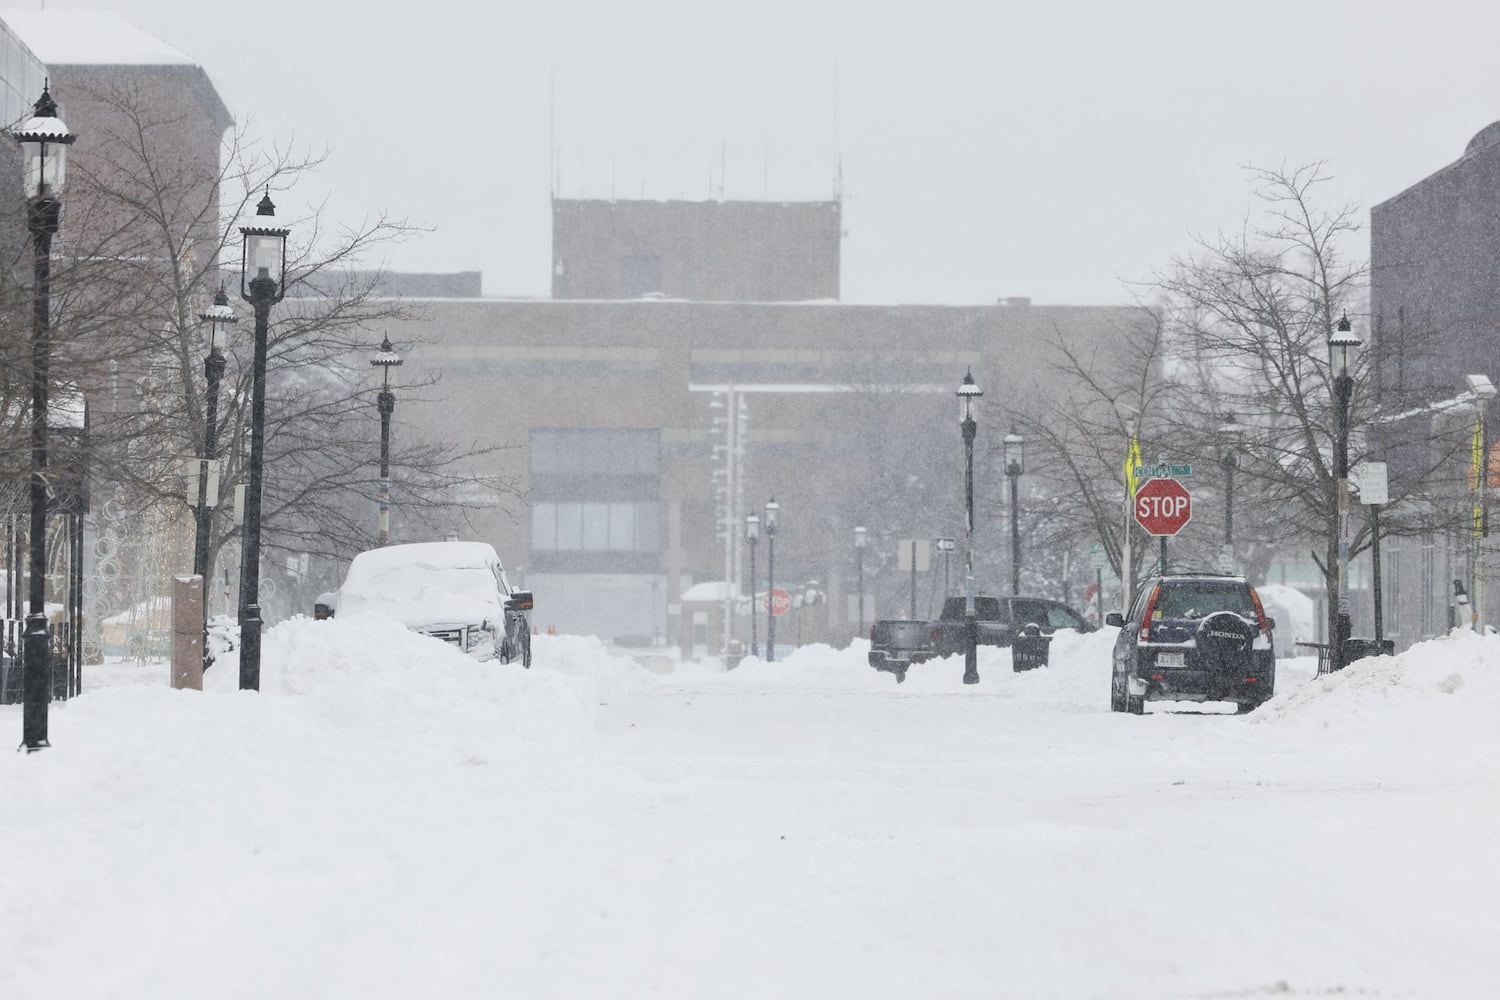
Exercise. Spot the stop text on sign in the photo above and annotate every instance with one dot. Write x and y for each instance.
(1163, 506)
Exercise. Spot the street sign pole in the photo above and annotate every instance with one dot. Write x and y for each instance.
(914, 579)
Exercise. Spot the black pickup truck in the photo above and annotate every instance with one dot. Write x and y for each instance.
(896, 644)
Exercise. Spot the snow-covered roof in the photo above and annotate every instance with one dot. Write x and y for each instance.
(710, 590)
(89, 38)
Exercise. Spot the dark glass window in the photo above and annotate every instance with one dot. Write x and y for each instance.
(1201, 598)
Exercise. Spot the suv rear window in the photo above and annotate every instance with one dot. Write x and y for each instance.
(1193, 599)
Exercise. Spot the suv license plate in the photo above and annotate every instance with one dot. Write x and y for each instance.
(1165, 659)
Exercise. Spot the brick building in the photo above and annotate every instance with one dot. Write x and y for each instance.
(1435, 318)
(1435, 282)
(99, 69)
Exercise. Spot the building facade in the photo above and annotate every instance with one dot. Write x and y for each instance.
(1435, 319)
(638, 433)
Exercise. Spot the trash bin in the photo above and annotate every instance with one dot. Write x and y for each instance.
(1358, 649)
(1029, 649)
(10, 680)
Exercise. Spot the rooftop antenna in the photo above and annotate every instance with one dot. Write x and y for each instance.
(838, 173)
(552, 176)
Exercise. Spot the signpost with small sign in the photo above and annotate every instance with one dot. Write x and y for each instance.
(913, 555)
(1374, 492)
(1163, 507)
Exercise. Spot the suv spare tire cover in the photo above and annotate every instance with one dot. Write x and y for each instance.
(1224, 640)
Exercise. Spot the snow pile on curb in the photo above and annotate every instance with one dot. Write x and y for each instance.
(1077, 677)
(1450, 679)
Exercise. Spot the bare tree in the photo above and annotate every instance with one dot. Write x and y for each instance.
(1239, 333)
(152, 232)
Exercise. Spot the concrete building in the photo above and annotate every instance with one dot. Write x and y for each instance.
(635, 429)
(708, 251)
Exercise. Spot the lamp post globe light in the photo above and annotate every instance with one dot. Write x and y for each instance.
(262, 284)
(44, 141)
(1342, 343)
(968, 410)
(1014, 465)
(385, 359)
(861, 540)
(752, 536)
(773, 510)
(219, 318)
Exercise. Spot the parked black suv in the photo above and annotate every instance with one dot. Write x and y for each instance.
(1193, 638)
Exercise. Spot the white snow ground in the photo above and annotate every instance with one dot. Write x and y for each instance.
(388, 819)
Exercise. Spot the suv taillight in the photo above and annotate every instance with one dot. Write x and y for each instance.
(1146, 617)
(1260, 614)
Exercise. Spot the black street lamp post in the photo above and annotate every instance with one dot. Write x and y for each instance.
(385, 360)
(1229, 462)
(262, 284)
(1014, 465)
(772, 510)
(968, 403)
(1341, 344)
(861, 539)
(44, 141)
(219, 318)
(752, 535)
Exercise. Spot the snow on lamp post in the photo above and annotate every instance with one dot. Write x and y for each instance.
(44, 141)
(752, 536)
(219, 318)
(1232, 435)
(1015, 446)
(1342, 343)
(773, 510)
(262, 284)
(385, 359)
(968, 409)
(860, 541)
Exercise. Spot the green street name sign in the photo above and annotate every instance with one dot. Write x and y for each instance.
(1163, 471)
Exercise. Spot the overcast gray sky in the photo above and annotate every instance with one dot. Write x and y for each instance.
(1049, 149)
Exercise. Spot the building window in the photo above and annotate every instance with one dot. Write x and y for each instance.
(595, 527)
(594, 452)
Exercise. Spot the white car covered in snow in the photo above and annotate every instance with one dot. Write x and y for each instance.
(453, 591)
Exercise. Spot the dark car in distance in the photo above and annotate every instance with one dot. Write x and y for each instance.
(1193, 638)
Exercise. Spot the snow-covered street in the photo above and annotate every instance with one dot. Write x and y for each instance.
(388, 819)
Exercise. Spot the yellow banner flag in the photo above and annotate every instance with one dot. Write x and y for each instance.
(1132, 459)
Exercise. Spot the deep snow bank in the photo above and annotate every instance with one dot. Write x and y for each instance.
(1077, 675)
(1444, 681)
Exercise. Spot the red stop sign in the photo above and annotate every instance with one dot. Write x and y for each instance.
(1163, 506)
(778, 602)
